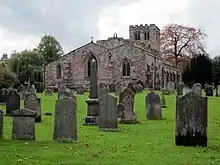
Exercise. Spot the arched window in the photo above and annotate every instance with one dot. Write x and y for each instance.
(89, 65)
(145, 35)
(137, 36)
(126, 68)
(58, 71)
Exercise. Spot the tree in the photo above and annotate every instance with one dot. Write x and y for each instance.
(199, 71)
(27, 64)
(179, 42)
(216, 70)
(50, 48)
(7, 78)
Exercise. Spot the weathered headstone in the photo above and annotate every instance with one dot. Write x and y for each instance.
(3, 95)
(186, 90)
(118, 89)
(63, 93)
(23, 127)
(171, 87)
(48, 92)
(209, 90)
(65, 122)
(80, 89)
(120, 109)
(132, 87)
(34, 103)
(1, 123)
(32, 89)
(191, 120)
(126, 92)
(179, 88)
(103, 90)
(108, 119)
(153, 107)
(112, 88)
(218, 91)
(128, 116)
(197, 89)
(92, 117)
(139, 88)
(21, 91)
(12, 101)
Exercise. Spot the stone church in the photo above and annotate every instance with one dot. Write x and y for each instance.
(119, 60)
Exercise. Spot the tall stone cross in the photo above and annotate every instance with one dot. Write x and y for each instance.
(92, 117)
(93, 93)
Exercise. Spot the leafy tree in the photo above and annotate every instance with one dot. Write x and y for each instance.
(179, 42)
(216, 70)
(27, 64)
(50, 48)
(7, 78)
(201, 67)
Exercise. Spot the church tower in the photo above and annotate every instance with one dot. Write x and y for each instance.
(146, 33)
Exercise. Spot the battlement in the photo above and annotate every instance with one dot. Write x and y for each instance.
(143, 27)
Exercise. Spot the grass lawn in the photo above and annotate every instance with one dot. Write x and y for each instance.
(151, 142)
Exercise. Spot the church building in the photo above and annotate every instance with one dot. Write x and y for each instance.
(119, 61)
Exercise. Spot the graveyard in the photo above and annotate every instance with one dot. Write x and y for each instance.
(150, 142)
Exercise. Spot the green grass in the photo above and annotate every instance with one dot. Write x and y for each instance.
(151, 142)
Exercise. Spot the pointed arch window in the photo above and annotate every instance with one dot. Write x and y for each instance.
(88, 72)
(126, 68)
(137, 36)
(58, 71)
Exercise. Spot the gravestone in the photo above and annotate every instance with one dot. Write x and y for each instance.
(1, 123)
(120, 109)
(128, 116)
(153, 107)
(132, 87)
(23, 127)
(209, 90)
(163, 101)
(186, 90)
(12, 101)
(139, 88)
(34, 103)
(179, 88)
(108, 119)
(63, 93)
(48, 92)
(191, 120)
(171, 87)
(197, 89)
(80, 89)
(126, 92)
(3, 96)
(21, 91)
(118, 89)
(32, 89)
(103, 89)
(92, 117)
(112, 88)
(65, 122)
(218, 91)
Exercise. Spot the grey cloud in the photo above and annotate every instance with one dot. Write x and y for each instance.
(70, 21)
(204, 14)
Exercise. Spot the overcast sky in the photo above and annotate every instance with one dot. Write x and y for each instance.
(73, 22)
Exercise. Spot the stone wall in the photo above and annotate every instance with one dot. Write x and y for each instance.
(110, 55)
